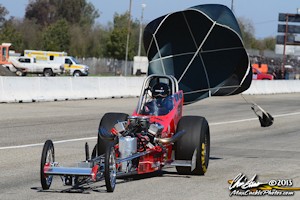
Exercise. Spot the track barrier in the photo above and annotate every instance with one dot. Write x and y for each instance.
(33, 89)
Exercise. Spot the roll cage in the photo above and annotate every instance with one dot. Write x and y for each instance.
(149, 82)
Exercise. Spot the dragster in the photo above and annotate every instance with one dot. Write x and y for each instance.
(154, 136)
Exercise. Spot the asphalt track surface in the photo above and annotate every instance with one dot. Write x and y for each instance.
(238, 145)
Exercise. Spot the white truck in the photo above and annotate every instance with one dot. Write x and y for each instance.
(140, 65)
(71, 65)
(27, 65)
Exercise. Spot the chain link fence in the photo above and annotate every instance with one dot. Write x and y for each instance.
(108, 66)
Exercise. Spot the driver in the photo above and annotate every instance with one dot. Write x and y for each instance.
(160, 104)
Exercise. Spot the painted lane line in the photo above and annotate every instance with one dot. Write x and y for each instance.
(41, 144)
(232, 122)
(92, 138)
(288, 114)
(252, 119)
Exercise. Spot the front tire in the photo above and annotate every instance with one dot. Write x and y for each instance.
(46, 160)
(108, 121)
(77, 73)
(196, 142)
(110, 168)
(20, 73)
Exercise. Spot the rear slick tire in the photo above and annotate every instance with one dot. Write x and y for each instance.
(195, 140)
(46, 159)
(108, 121)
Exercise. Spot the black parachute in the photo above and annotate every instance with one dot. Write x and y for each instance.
(202, 48)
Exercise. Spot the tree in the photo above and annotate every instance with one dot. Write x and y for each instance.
(43, 11)
(121, 20)
(32, 37)
(11, 35)
(56, 37)
(3, 13)
(49, 11)
(249, 39)
(116, 45)
(248, 32)
(97, 41)
(77, 12)
(88, 14)
(135, 32)
(269, 43)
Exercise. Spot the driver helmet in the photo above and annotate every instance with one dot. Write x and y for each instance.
(160, 90)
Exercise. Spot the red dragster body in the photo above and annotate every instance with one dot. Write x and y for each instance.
(154, 136)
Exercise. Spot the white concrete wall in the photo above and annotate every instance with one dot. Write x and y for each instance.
(29, 89)
(273, 87)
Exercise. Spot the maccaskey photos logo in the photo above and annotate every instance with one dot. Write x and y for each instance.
(243, 186)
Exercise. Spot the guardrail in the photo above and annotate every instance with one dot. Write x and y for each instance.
(32, 89)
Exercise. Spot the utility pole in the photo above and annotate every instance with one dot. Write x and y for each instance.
(128, 36)
(232, 3)
(141, 29)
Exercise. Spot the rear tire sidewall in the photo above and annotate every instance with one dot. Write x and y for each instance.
(197, 137)
(48, 72)
(108, 121)
(44, 182)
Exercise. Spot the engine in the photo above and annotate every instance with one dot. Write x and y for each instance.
(136, 135)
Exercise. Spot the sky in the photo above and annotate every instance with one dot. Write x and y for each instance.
(262, 13)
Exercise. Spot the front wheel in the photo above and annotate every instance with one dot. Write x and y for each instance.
(20, 73)
(110, 169)
(46, 161)
(194, 145)
(77, 73)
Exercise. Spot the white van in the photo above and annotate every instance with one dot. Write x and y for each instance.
(72, 66)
